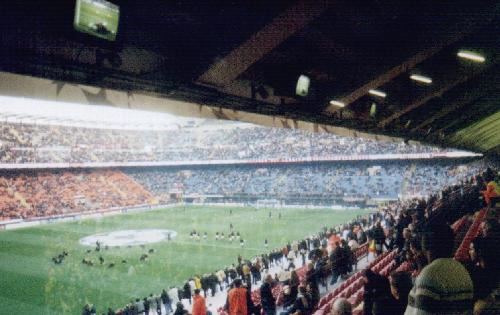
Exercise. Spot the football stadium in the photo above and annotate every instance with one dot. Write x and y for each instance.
(241, 158)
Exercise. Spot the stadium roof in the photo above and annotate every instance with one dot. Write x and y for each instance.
(27, 110)
(423, 70)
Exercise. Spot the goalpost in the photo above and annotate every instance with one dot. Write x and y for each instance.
(268, 203)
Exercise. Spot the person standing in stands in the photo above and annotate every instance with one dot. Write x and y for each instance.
(186, 291)
(246, 274)
(377, 293)
(152, 302)
(401, 285)
(336, 261)
(266, 297)
(312, 281)
(179, 310)
(484, 271)
(378, 237)
(237, 299)
(146, 304)
(158, 304)
(166, 301)
(199, 306)
(139, 306)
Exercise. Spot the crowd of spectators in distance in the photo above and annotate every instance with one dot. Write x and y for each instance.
(48, 193)
(336, 180)
(419, 232)
(37, 143)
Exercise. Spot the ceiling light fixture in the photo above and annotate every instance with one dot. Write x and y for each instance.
(337, 103)
(421, 78)
(377, 93)
(470, 55)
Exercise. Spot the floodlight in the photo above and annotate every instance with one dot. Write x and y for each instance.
(421, 78)
(337, 103)
(377, 93)
(470, 55)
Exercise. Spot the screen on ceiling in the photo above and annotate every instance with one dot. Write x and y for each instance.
(97, 17)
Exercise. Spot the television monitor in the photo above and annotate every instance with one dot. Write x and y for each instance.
(302, 87)
(99, 18)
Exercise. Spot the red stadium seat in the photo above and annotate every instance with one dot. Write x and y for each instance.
(331, 295)
(327, 308)
(321, 303)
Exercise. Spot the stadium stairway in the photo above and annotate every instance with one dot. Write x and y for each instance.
(110, 181)
(139, 188)
(352, 288)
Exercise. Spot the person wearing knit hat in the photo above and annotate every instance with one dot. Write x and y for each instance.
(444, 286)
(341, 307)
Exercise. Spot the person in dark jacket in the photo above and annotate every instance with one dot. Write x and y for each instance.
(379, 237)
(186, 291)
(401, 285)
(300, 305)
(377, 293)
(338, 262)
(86, 310)
(166, 301)
(179, 310)
(266, 297)
(484, 266)
(252, 309)
(147, 305)
(312, 281)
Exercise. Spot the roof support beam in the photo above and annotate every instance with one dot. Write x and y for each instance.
(454, 34)
(448, 86)
(484, 88)
(261, 43)
(327, 47)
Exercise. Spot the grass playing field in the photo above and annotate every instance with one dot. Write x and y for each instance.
(31, 283)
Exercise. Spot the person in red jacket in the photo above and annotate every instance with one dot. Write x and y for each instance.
(199, 307)
(237, 299)
(490, 192)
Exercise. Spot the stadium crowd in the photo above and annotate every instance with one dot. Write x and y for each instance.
(425, 279)
(358, 180)
(38, 143)
(48, 193)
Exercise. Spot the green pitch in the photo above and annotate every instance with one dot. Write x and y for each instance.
(31, 283)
